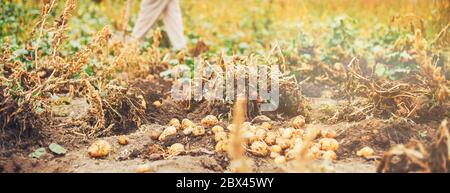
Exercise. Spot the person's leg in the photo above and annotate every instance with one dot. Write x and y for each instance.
(150, 12)
(173, 24)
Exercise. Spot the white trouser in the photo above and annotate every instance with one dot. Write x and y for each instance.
(170, 11)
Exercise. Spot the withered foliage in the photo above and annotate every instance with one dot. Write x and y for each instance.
(416, 157)
(422, 96)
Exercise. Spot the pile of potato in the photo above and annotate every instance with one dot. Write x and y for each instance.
(263, 140)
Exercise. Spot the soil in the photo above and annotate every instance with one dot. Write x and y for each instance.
(143, 154)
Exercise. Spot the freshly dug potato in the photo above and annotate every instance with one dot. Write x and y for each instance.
(328, 144)
(185, 123)
(271, 137)
(328, 133)
(266, 125)
(198, 131)
(280, 159)
(315, 152)
(261, 134)
(188, 130)
(298, 122)
(210, 121)
(365, 152)
(230, 127)
(274, 155)
(275, 148)
(249, 136)
(329, 155)
(123, 140)
(290, 154)
(287, 133)
(99, 149)
(220, 136)
(155, 133)
(283, 143)
(171, 130)
(157, 104)
(222, 146)
(217, 129)
(175, 122)
(176, 149)
(259, 148)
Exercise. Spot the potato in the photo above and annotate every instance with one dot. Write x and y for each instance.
(290, 154)
(266, 125)
(260, 134)
(188, 130)
(157, 104)
(259, 148)
(230, 127)
(280, 159)
(155, 133)
(298, 122)
(217, 129)
(143, 168)
(175, 122)
(176, 149)
(185, 123)
(329, 155)
(283, 143)
(315, 152)
(169, 131)
(222, 146)
(271, 137)
(274, 155)
(209, 121)
(99, 149)
(365, 152)
(287, 133)
(123, 140)
(276, 148)
(328, 144)
(328, 133)
(298, 133)
(220, 136)
(249, 137)
(198, 131)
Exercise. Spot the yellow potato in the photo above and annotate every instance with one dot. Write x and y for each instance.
(175, 122)
(266, 125)
(329, 155)
(271, 137)
(261, 134)
(365, 152)
(298, 122)
(99, 149)
(274, 155)
(259, 148)
(169, 131)
(220, 136)
(283, 143)
(198, 131)
(287, 133)
(276, 149)
(123, 140)
(217, 129)
(249, 136)
(176, 149)
(315, 152)
(221, 146)
(280, 159)
(230, 127)
(188, 131)
(209, 121)
(328, 144)
(157, 104)
(185, 123)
